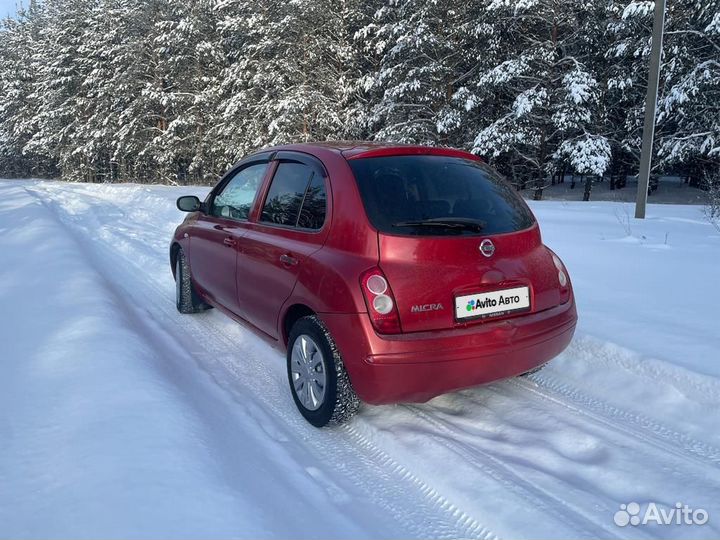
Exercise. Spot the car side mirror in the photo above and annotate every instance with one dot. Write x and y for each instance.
(189, 203)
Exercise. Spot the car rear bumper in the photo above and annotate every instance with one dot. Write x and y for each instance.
(416, 367)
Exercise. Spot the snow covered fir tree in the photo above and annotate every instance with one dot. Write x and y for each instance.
(169, 91)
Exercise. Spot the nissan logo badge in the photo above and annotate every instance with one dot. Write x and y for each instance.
(487, 248)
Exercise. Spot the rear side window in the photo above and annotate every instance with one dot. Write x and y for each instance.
(297, 197)
(312, 212)
(437, 195)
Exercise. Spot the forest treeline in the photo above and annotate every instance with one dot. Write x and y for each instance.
(174, 91)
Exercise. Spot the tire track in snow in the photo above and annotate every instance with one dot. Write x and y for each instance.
(630, 424)
(421, 509)
(697, 386)
(540, 499)
(558, 506)
(390, 482)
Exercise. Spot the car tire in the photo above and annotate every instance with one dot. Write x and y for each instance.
(312, 359)
(186, 298)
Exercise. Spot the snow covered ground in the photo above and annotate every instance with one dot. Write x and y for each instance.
(122, 418)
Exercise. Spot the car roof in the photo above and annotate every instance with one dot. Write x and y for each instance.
(365, 149)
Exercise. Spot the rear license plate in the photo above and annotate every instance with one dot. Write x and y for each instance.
(493, 303)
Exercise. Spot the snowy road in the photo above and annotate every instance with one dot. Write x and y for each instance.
(123, 418)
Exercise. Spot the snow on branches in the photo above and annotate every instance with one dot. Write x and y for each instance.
(177, 90)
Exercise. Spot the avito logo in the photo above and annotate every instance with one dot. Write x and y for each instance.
(504, 300)
(681, 514)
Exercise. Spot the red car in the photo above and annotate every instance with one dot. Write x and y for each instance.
(388, 273)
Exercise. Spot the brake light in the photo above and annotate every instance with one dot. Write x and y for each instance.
(562, 279)
(380, 302)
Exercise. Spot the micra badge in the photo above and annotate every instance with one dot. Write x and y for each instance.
(426, 307)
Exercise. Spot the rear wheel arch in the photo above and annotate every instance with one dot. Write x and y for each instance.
(342, 277)
(293, 314)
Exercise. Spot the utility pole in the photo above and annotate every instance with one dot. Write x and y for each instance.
(650, 106)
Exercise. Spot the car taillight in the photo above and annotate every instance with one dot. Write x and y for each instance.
(562, 279)
(380, 301)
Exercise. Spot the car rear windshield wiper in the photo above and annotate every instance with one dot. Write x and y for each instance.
(446, 222)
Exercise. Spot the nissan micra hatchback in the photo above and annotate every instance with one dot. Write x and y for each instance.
(388, 273)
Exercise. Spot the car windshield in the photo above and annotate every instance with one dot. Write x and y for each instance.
(438, 195)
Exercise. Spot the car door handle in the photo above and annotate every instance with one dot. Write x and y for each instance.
(229, 242)
(287, 260)
(224, 228)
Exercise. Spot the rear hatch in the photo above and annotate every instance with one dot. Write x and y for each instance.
(457, 244)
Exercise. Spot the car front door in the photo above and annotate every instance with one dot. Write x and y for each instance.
(215, 238)
(290, 226)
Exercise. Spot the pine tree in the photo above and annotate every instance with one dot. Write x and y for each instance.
(19, 71)
(688, 108)
(536, 101)
(687, 136)
(421, 56)
(629, 34)
(57, 89)
(291, 73)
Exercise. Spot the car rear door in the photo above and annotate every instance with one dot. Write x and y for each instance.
(215, 237)
(290, 226)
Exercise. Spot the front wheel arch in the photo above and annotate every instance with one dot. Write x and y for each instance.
(174, 250)
(187, 298)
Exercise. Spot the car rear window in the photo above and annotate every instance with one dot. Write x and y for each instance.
(400, 191)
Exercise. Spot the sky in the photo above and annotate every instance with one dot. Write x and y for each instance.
(9, 7)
